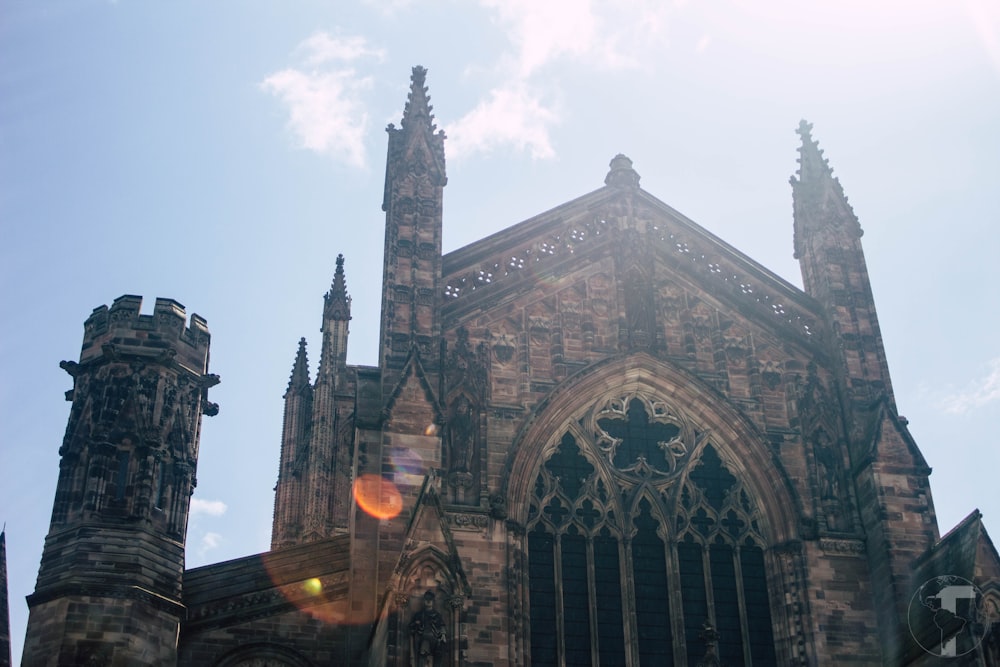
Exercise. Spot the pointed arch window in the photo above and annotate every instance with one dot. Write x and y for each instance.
(638, 534)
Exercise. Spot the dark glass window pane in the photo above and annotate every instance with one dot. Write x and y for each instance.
(694, 598)
(649, 574)
(640, 437)
(727, 607)
(576, 601)
(711, 475)
(607, 581)
(569, 466)
(758, 609)
(541, 580)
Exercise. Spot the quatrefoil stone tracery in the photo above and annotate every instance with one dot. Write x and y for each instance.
(641, 435)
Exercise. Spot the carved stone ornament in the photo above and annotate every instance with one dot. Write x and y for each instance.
(468, 521)
(842, 547)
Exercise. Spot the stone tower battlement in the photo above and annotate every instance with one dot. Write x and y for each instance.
(166, 331)
(113, 562)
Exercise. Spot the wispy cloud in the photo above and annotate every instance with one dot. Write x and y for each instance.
(511, 116)
(208, 507)
(978, 393)
(324, 95)
(208, 542)
(605, 36)
(321, 49)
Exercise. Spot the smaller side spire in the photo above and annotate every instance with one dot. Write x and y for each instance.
(4, 606)
(300, 370)
(818, 198)
(337, 303)
(812, 165)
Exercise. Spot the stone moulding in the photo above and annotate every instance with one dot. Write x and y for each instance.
(842, 547)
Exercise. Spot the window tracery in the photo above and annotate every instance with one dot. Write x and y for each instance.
(638, 533)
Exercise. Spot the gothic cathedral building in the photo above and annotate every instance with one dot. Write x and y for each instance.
(601, 436)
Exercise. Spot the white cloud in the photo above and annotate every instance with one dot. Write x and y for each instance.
(324, 97)
(603, 35)
(977, 394)
(608, 35)
(208, 507)
(511, 116)
(542, 31)
(320, 49)
(209, 541)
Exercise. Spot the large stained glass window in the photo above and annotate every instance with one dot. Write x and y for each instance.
(638, 536)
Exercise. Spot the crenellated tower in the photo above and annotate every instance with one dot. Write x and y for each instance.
(313, 478)
(414, 186)
(891, 477)
(109, 584)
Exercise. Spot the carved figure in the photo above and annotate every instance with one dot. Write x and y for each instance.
(710, 636)
(461, 435)
(427, 634)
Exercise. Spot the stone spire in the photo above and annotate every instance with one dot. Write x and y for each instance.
(417, 140)
(300, 369)
(818, 197)
(418, 108)
(834, 271)
(336, 315)
(337, 304)
(4, 606)
(413, 203)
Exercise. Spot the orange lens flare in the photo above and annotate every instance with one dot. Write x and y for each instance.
(377, 496)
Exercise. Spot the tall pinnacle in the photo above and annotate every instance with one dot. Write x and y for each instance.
(812, 165)
(418, 107)
(300, 369)
(818, 198)
(417, 140)
(337, 304)
(4, 607)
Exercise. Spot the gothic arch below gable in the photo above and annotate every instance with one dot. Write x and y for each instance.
(739, 442)
(644, 506)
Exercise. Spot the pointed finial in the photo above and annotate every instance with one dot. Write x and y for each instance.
(622, 175)
(812, 164)
(337, 303)
(817, 196)
(300, 369)
(418, 107)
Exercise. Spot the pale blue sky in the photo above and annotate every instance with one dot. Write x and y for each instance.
(223, 153)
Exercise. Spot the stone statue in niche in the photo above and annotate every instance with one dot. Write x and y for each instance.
(639, 308)
(710, 636)
(428, 637)
(830, 488)
(461, 435)
(827, 469)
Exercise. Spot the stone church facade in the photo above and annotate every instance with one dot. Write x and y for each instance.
(602, 436)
